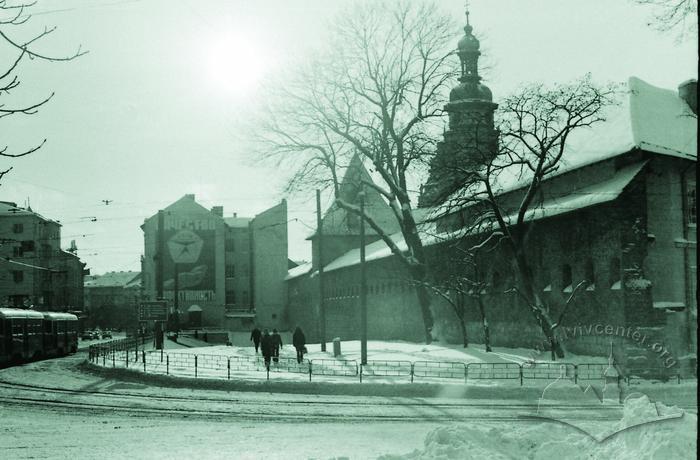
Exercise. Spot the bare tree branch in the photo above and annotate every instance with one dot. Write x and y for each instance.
(374, 93)
(16, 15)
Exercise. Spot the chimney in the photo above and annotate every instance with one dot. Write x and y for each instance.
(688, 91)
(218, 210)
(235, 214)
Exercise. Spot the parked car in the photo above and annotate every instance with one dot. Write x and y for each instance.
(87, 335)
(106, 334)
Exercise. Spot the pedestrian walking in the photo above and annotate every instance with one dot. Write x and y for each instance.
(299, 342)
(276, 345)
(266, 347)
(255, 337)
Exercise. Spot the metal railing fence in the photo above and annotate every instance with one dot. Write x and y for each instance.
(127, 354)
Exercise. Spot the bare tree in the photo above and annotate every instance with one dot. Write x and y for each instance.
(456, 290)
(377, 93)
(11, 18)
(673, 15)
(534, 127)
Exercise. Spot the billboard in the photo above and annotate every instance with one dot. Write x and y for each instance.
(193, 250)
(153, 311)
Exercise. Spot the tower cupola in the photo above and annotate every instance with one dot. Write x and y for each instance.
(471, 139)
(468, 52)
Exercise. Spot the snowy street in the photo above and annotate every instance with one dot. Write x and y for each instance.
(59, 406)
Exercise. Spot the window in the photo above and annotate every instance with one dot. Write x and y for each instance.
(18, 228)
(244, 297)
(230, 297)
(27, 246)
(566, 278)
(230, 271)
(18, 276)
(17, 251)
(691, 204)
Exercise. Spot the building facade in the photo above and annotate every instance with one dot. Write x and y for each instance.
(111, 300)
(232, 268)
(36, 272)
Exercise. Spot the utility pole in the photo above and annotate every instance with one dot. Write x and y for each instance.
(176, 292)
(160, 254)
(363, 283)
(321, 303)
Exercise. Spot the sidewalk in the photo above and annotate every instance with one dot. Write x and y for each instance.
(184, 341)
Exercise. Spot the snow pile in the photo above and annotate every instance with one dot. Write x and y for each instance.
(651, 431)
(646, 431)
(467, 442)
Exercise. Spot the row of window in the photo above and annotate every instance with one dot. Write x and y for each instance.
(391, 286)
(498, 282)
(566, 278)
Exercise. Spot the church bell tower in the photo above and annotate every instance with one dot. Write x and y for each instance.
(471, 139)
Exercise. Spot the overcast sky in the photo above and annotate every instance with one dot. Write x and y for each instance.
(154, 110)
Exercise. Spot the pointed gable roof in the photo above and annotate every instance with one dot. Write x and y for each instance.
(338, 222)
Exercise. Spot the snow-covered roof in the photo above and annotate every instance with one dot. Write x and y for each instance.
(113, 279)
(650, 118)
(298, 271)
(602, 192)
(591, 195)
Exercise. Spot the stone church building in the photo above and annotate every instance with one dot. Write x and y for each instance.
(620, 212)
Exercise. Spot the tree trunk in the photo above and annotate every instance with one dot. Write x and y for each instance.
(464, 331)
(418, 271)
(537, 308)
(424, 302)
(485, 324)
(418, 276)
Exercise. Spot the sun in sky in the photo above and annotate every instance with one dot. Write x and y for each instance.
(235, 62)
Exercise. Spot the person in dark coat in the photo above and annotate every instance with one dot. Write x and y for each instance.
(266, 347)
(255, 337)
(299, 342)
(276, 345)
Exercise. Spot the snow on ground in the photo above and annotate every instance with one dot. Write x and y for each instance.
(405, 351)
(646, 431)
(390, 362)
